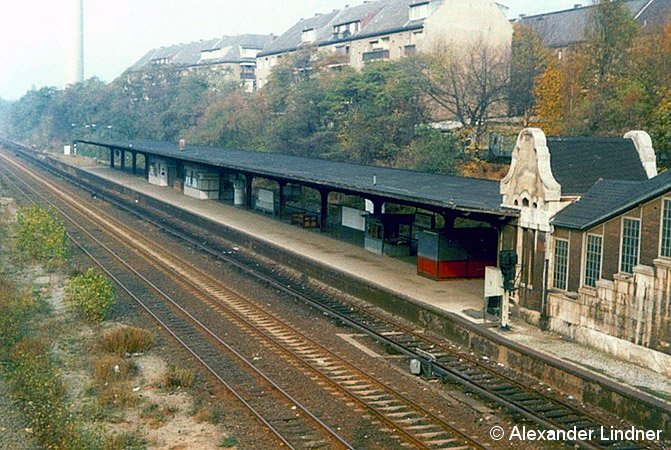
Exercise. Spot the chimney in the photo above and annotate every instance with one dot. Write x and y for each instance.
(577, 5)
(182, 144)
(76, 74)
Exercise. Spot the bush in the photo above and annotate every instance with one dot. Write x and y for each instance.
(41, 235)
(91, 295)
(126, 339)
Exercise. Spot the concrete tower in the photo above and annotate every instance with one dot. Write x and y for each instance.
(78, 62)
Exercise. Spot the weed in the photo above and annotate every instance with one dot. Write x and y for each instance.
(228, 442)
(126, 339)
(177, 377)
(156, 416)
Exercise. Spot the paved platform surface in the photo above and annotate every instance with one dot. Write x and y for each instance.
(454, 296)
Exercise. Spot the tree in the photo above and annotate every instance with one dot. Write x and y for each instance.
(604, 65)
(470, 84)
(431, 151)
(661, 128)
(376, 112)
(549, 95)
(529, 60)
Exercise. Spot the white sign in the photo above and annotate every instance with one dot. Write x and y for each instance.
(67, 150)
(493, 282)
(353, 218)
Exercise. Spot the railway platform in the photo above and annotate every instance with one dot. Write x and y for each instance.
(576, 366)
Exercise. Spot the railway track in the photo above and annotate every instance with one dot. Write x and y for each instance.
(413, 425)
(265, 400)
(437, 358)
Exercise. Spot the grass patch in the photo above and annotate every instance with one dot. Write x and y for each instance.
(156, 416)
(126, 340)
(129, 440)
(117, 395)
(228, 442)
(178, 377)
(33, 376)
(213, 414)
(111, 368)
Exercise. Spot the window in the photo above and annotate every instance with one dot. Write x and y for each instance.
(666, 229)
(308, 35)
(190, 179)
(631, 240)
(593, 249)
(560, 278)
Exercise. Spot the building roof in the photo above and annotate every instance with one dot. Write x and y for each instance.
(560, 29)
(443, 191)
(290, 40)
(611, 198)
(579, 162)
(189, 54)
(377, 18)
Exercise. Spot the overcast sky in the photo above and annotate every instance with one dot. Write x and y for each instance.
(36, 36)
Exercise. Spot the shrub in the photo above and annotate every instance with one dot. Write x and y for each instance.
(91, 295)
(177, 377)
(126, 339)
(41, 235)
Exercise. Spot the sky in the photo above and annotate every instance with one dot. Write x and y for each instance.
(37, 36)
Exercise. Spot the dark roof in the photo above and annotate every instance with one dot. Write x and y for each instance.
(559, 29)
(470, 194)
(189, 54)
(291, 39)
(577, 163)
(611, 198)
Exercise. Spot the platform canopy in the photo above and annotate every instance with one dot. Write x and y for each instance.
(403, 186)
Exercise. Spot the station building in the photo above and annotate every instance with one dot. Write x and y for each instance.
(588, 218)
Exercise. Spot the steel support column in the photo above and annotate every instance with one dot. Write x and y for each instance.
(282, 199)
(112, 151)
(123, 160)
(324, 211)
(146, 166)
(248, 190)
(134, 162)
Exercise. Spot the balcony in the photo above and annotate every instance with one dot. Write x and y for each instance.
(247, 76)
(375, 55)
